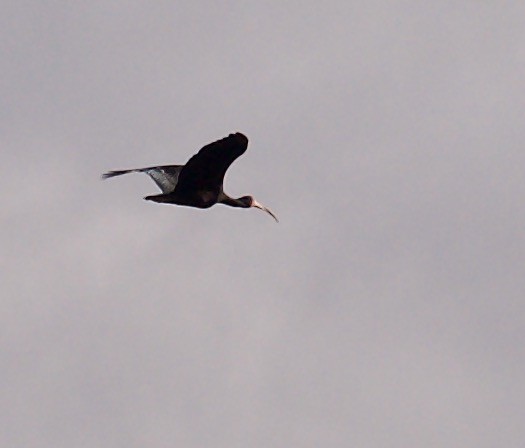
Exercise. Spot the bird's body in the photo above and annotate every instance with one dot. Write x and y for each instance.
(199, 183)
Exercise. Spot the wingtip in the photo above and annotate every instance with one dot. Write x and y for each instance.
(115, 173)
(107, 175)
(241, 138)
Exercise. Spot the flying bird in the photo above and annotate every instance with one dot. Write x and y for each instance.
(199, 183)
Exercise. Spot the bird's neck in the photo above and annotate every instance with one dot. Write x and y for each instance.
(232, 202)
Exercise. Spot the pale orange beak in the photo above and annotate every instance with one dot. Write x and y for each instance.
(262, 207)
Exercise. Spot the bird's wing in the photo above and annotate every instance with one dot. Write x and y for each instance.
(166, 176)
(206, 169)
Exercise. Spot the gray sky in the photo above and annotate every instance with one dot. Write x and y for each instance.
(387, 307)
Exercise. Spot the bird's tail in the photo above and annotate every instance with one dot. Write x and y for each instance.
(117, 173)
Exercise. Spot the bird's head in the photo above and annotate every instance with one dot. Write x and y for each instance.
(249, 201)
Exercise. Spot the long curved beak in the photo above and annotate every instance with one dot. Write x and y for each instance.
(262, 207)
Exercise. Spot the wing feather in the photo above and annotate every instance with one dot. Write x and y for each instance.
(206, 169)
(165, 176)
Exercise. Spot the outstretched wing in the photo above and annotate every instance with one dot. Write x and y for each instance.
(206, 169)
(166, 176)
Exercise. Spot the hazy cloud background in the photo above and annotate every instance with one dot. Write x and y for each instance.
(387, 307)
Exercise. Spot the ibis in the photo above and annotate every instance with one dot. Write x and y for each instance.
(199, 183)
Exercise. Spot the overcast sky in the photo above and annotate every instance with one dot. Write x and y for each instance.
(386, 309)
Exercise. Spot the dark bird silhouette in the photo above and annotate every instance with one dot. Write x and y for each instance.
(199, 182)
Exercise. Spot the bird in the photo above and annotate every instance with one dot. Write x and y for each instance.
(199, 183)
